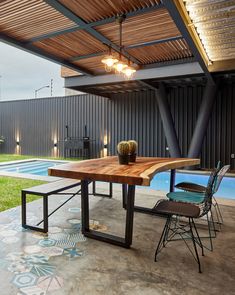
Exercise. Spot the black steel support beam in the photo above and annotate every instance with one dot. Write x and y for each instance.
(167, 121)
(97, 23)
(204, 115)
(75, 58)
(176, 16)
(36, 51)
(69, 14)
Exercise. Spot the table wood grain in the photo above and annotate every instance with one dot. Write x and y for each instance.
(108, 169)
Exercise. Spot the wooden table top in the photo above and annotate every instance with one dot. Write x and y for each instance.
(108, 169)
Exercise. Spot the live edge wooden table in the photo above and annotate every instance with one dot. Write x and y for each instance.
(109, 170)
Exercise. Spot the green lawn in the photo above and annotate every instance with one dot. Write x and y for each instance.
(12, 157)
(10, 191)
(10, 188)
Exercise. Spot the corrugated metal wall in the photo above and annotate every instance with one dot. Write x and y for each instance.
(37, 124)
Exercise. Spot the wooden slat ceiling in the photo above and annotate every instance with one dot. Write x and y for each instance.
(214, 21)
(23, 20)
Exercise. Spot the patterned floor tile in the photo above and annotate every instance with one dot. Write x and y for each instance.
(24, 280)
(19, 267)
(10, 240)
(42, 269)
(73, 252)
(52, 251)
(50, 283)
(8, 233)
(36, 258)
(65, 243)
(74, 210)
(74, 221)
(46, 242)
(32, 249)
(33, 290)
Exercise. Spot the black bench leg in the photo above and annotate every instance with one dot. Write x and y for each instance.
(45, 213)
(23, 209)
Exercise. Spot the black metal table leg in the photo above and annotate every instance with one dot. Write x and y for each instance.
(172, 180)
(108, 238)
(124, 195)
(109, 195)
(23, 208)
(45, 214)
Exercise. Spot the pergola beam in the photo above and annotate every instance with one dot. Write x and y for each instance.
(95, 24)
(190, 68)
(69, 14)
(36, 51)
(138, 45)
(173, 9)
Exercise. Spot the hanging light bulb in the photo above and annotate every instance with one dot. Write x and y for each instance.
(128, 72)
(109, 60)
(119, 66)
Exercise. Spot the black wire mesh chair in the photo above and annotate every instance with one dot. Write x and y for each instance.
(193, 187)
(186, 230)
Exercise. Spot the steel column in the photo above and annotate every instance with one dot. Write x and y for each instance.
(167, 120)
(202, 120)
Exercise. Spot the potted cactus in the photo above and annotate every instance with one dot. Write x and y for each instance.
(132, 150)
(123, 152)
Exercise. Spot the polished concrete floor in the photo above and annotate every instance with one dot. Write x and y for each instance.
(64, 262)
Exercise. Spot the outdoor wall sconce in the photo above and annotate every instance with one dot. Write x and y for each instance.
(105, 146)
(17, 143)
(55, 145)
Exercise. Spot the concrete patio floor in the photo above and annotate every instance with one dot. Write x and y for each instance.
(64, 262)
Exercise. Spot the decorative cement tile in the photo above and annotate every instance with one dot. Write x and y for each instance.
(77, 227)
(39, 236)
(52, 251)
(65, 244)
(34, 290)
(74, 210)
(19, 267)
(8, 233)
(42, 269)
(54, 230)
(73, 252)
(46, 242)
(50, 283)
(77, 237)
(74, 221)
(59, 236)
(24, 280)
(15, 256)
(35, 258)
(32, 249)
(10, 240)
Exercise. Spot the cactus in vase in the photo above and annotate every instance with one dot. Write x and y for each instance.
(123, 148)
(132, 146)
(123, 152)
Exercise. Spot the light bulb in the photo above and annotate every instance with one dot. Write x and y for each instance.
(120, 66)
(109, 61)
(128, 72)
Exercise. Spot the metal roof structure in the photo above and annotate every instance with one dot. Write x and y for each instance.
(157, 34)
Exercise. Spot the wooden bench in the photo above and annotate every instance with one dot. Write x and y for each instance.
(53, 188)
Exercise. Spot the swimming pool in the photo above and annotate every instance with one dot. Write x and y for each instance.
(161, 181)
(36, 167)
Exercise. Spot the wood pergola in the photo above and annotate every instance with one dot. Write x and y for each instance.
(156, 33)
(164, 39)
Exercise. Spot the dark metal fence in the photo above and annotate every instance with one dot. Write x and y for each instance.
(38, 124)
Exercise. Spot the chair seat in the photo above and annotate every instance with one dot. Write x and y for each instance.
(167, 207)
(191, 187)
(188, 197)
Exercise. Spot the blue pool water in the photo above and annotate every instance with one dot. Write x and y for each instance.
(36, 167)
(161, 181)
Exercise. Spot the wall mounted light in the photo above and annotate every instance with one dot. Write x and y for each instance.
(105, 146)
(17, 143)
(55, 144)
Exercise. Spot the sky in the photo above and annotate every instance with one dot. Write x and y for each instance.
(21, 73)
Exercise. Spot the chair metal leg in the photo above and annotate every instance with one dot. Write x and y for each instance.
(195, 246)
(198, 237)
(160, 243)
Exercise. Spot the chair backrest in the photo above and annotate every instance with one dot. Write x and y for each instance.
(212, 187)
(219, 177)
(213, 174)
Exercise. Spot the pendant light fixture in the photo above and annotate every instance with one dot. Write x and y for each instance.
(109, 60)
(119, 65)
